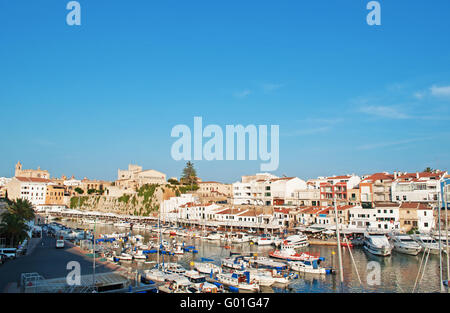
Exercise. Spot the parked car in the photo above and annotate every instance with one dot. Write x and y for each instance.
(10, 253)
(59, 243)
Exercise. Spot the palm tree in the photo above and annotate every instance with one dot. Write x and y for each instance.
(23, 209)
(14, 227)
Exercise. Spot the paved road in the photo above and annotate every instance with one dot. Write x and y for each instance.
(46, 260)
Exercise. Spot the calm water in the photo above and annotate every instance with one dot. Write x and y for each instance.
(398, 272)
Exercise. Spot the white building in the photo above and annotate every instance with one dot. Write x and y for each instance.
(266, 189)
(29, 188)
(417, 187)
(426, 220)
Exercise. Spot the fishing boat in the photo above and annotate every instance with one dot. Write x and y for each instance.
(207, 267)
(427, 243)
(309, 267)
(405, 244)
(239, 281)
(287, 252)
(377, 244)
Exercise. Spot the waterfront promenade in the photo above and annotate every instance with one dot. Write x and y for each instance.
(47, 261)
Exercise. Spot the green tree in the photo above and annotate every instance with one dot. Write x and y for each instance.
(23, 209)
(14, 227)
(428, 170)
(189, 176)
(79, 190)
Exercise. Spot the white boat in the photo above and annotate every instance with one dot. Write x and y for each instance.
(207, 267)
(443, 239)
(173, 268)
(155, 274)
(237, 262)
(297, 241)
(287, 252)
(122, 224)
(139, 255)
(261, 276)
(214, 236)
(264, 262)
(178, 284)
(377, 244)
(240, 238)
(308, 267)
(125, 257)
(405, 244)
(265, 240)
(242, 282)
(427, 243)
(178, 249)
(199, 281)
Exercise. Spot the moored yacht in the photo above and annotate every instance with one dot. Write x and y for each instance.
(297, 241)
(427, 243)
(405, 244)
(377, 244)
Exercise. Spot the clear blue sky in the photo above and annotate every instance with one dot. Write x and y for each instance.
(349, 98)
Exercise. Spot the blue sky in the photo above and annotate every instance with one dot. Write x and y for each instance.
(349, 98)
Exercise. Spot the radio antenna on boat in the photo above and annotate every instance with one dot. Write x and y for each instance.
(341, 271)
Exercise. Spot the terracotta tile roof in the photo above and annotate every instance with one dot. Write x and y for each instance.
(378, 176)
(415, 205)
(340, 177)
(33, 180)
(344, 207)
(282, 178)
(281, 210)
(248, 213)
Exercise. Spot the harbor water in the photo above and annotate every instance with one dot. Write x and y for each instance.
(393, 274)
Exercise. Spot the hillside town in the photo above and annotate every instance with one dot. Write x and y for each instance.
(379, 201)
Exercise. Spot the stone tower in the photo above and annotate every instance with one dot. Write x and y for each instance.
(18, 169)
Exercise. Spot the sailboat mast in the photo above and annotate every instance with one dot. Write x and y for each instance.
(440, 249)
(446, 230)
(341, 271)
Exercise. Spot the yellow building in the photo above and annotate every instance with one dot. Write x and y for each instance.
(54, 194)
